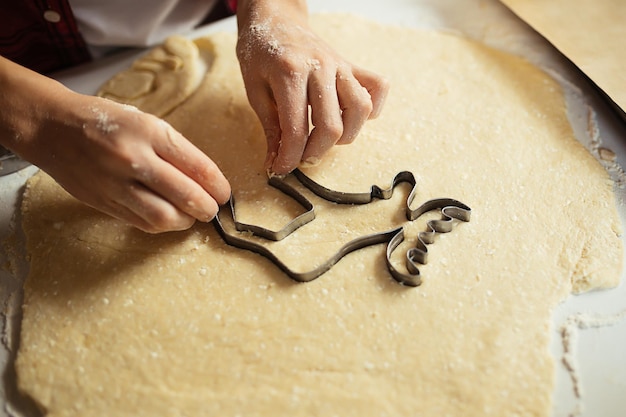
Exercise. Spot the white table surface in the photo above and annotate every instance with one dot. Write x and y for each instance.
(599, 351)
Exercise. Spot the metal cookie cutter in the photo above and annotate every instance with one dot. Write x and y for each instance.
(289, 228)
(451, 210)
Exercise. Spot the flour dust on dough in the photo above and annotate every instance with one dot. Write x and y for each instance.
(118, 322)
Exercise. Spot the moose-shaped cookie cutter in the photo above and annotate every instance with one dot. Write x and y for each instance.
(451, 210)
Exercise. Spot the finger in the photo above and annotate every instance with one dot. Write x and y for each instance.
(202, 179)
(356, 104)
(325, 115)
(172, 185)
(124, 214)
(377, 86)
(264, 106)
(115, 209)
(292, 107)
(148, 211)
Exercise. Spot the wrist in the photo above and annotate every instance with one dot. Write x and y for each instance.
(29, 101)
(251, 12)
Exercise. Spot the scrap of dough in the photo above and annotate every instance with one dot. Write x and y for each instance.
(160, 80)
(118, 322)
(591, 34)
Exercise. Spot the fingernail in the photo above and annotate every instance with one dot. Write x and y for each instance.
(271, 174)
(310, 162)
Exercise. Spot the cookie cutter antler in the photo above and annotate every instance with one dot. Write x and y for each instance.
(450, 209)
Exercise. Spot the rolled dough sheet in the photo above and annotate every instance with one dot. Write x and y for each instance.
(591, 34)
(118, 322)
(161, 79)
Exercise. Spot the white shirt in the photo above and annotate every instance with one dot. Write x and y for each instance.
(139, 23)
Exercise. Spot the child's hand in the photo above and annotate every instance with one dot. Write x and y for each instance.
(123, 162)
(287, 68)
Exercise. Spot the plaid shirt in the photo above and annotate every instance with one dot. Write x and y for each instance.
(42, 34)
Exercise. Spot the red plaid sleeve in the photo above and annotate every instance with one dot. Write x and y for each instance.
(41, 35)
(232, 5)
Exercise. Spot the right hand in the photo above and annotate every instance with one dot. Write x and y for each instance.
(290, 72)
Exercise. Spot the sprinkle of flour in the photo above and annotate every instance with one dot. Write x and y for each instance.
(314, 64)
(103, 122)
(261, 36)
(569, 336)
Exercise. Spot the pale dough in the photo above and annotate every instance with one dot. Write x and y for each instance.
(591, 34)
(118, 322)
(161, 79)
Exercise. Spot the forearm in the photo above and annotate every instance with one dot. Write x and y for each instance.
(27, 100)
